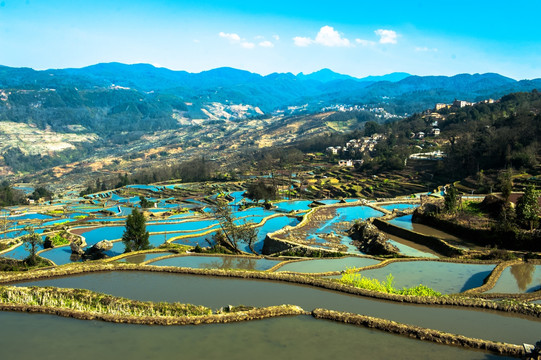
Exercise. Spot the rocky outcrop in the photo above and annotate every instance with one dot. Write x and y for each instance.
(97, 251)
(370, 240)
(77, 246)
(48, 243)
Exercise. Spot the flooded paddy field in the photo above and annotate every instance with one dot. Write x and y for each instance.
(217, 262)
(327, 265)
(406, 223)
(519, 278)
(217, 292)
(445, 277)
(302, 337)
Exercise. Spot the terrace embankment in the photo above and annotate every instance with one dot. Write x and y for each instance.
(459, 301)
(419, 332)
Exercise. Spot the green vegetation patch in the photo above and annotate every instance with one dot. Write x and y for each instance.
(352, 278)
(58, 239)
(89, 301)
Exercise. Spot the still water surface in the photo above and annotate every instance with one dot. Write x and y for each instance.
(300, 337)
(217, 292)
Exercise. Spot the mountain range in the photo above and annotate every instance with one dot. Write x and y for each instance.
(117, 117)
(397, 92)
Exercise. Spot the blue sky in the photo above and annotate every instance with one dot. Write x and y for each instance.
(358, 38)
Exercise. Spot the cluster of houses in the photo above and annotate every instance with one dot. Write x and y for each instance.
(461, 104)
(421, 134)
(433, 116)
(354, 148)
(378, 112)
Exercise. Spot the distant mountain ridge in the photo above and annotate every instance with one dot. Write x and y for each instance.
(398, 92)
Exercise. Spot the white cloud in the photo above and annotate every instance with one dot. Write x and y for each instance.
(364, 42)
(327, 36)
(276, 37)
(302, 41)
(247, 45)
(425, 49)
(231, 37)
(386, 36)
(266, 44)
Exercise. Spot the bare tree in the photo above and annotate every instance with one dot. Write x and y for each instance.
(233, 233)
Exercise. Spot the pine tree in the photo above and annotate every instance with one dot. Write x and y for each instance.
(135, 236)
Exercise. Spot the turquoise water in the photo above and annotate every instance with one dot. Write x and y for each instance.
(448, 278)
(254, 211)
(409, 251)
(217, 262)
(303, 336)
(237, 196)
(326, 265)
(217, 292)
(103, 233)
(120, 220)
(59, 256)
(271, 225)
(403, 221)
(297, 205)
(391, 207)
(348, 214)
(147, 187)
(195, 240)
(26, 189)
(329, 201)
(118, 249)
(18, 253)
(521, 278)
(116, 197)
(54, 222)
(30, 216)
(62, 255)
(184, 226)
(158, 239)
(75, 214)
(180, 216)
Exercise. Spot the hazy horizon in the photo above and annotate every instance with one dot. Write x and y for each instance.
(359, 39)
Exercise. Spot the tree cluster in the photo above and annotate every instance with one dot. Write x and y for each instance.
(10, 196)
(262, 190)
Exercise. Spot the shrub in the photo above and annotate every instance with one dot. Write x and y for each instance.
(352, 278)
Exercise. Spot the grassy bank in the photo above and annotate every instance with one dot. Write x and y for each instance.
(89, 301)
